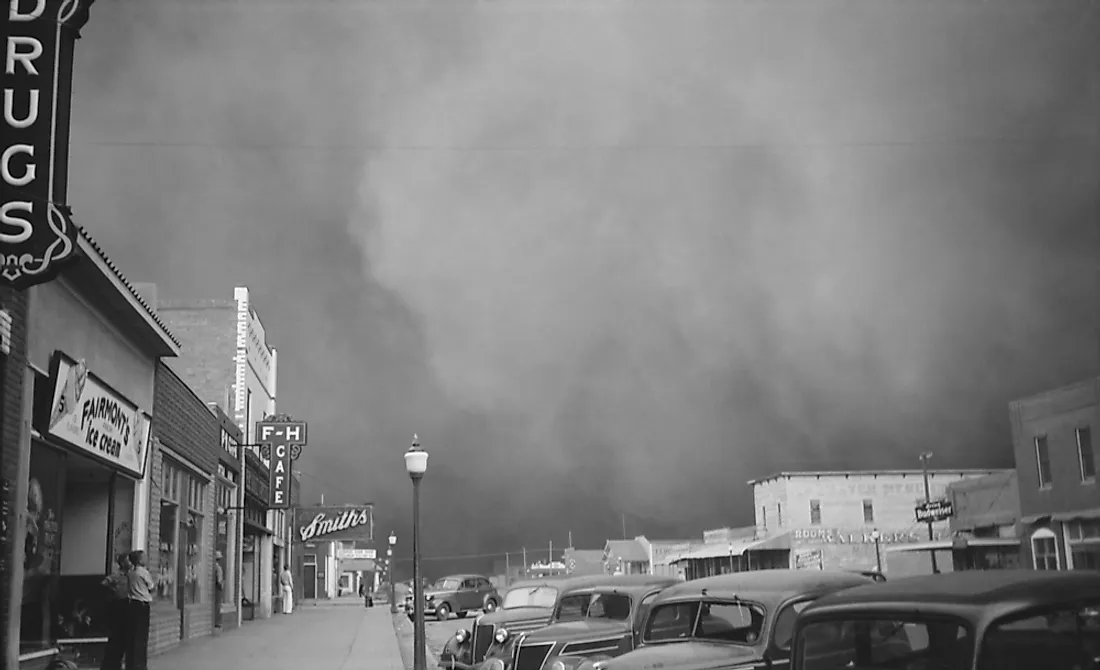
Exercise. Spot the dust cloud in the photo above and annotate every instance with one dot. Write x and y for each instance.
(612, 258)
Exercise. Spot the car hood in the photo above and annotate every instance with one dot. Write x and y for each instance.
(579, 630)
(435, 593)
(516, 614)
(684, 656)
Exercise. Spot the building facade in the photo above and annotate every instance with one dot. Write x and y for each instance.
(1056, 465)
(81, 402)
(828, 520)
(182, 513)
(625, 557)
(661, 553)
(984, 525)
(228, 500)
(229, 363)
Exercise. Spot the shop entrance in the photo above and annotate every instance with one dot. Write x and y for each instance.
(309, 585)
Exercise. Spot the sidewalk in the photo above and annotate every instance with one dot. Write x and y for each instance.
(321, 637)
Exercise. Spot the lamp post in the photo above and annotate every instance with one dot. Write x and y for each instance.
(877, 537)
(416, 463)
(389, 571)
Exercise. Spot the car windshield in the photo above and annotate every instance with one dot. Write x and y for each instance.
(902, 643)
(576, 606)
(446, 584)
(530, 596)
(736, 622)
(1058, 639)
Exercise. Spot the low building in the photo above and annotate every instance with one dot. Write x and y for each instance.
(851, 520)
(625, 557)
(581, 562)
(660, 554)
(982, 528)
(723, 550)
(1056, 464)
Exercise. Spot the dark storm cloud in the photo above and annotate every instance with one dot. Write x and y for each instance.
(616, 257)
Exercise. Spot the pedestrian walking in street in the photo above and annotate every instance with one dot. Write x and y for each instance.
(286, 581)
(140, 599)
(118, 626)
(219, 587)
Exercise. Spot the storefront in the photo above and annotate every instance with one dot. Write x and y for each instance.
(182, 513)
(229, 521)
(258, 547)
(92, 351)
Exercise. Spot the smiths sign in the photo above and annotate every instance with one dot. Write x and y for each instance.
(325, 524)
(36, 235)
(936, 510)
(285, 440)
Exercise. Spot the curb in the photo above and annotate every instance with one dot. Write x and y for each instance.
(403, 631)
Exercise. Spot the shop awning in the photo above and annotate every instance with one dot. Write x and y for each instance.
(1084, 514)
(735, 548)
(256, 529)
(948, 545)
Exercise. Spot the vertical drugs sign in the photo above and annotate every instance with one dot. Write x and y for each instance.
(37, 236)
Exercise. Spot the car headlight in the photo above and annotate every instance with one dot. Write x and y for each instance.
(496, 664)
(501, 635)
(462, 635)
(566, 663)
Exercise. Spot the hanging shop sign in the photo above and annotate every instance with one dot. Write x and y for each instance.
(282, 441)
(356, 554)
(324, 524)
(36, 234)
(91, 417)
(934, 511)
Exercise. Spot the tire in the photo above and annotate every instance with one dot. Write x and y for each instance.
(442, 612)
(460, 615)
(490, 605)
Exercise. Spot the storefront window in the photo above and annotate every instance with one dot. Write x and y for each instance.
(41, 548)
(180, 569)
(1084, 543)
(1044, 549)
(225, 541)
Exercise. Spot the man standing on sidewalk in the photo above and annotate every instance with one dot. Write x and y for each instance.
(219, 588)
(286, 581)
(140, 599)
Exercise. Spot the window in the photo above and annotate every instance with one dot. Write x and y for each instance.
(576, 606)
(764, 516)
(469, 583)
(783, 629)
(815, 512)
(885, 643)
(168, 551)
(180, 570)
(1044, 549)
(1085, 457)
(779, 514)
(1042, 461)
(868, 511)
(1083, 538)
(1057, 639)
(739, 622)
(538, 596)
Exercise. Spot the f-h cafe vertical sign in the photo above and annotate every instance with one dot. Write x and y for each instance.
(285, 440)
(36, 234)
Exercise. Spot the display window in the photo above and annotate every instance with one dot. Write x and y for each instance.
(180, 569)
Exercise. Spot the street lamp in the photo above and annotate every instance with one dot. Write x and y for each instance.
(877, 537)
(389, 570)
(416, 463)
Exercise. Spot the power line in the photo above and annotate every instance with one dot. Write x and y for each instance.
(592, 148)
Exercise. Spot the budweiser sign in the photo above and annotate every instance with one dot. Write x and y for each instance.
(36, 235)
(325, 524)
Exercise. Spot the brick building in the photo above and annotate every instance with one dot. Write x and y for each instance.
(182, 513)
(1056, 465)
(78, 397)
(828, 519)
(228, 362)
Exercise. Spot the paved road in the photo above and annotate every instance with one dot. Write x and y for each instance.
(340, 636)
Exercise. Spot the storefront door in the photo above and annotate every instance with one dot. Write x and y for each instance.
(310, 586)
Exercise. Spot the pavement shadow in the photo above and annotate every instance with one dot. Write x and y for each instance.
(403, 629)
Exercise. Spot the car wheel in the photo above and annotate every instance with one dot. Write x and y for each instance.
(442, 612)
(490, 605)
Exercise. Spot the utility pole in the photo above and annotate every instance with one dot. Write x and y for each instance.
(570, 539)
(624, 525)
(924, 458)
(524, 573)
(551, 558)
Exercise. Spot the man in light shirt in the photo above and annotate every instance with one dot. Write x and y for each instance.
(286, 582)
(140, 598)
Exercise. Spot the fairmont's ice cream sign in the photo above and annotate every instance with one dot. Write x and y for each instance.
(36, 234)
(326, 524)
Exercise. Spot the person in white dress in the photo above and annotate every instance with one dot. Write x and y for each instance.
(286, 583)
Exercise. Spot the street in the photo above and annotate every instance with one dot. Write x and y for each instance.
(436, 632)
(342, 635)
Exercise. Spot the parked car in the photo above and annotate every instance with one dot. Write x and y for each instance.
(744, 619)
(527, 605)
(459, 594)
(973, 620)
(597, 619)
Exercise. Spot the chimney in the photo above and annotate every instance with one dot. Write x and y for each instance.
(148, 291)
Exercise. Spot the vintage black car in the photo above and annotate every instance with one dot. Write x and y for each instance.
(974, 620)
(458, 594)
(743, 619)
(526, 606)
(600, 619)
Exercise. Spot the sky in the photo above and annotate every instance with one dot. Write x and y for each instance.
(611, 260)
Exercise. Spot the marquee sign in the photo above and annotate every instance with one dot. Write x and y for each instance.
(326, 524)
(36, 235)
(93, 418)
